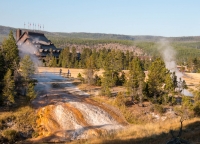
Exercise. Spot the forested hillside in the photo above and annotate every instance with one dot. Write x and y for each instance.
(187, 48)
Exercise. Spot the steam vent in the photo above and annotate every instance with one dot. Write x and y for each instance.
(40, 45)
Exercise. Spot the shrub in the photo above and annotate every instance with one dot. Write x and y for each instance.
(196, 109)
(79, 76)
(35, 134)
(97, 80)
(159, 109)
(120, 100)
(10, 135)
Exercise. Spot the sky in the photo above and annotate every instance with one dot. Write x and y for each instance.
(170, 18)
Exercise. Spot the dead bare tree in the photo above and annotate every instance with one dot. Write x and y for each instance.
(177, 139)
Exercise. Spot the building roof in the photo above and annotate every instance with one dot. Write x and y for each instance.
(41, 45)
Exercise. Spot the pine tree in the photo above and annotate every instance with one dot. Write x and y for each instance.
(9, 87)
(10, 51)
(167, 88)
(73, 57)
(54, 62)
(174, 80)
(156, 79)
(135, 79)
(2, 67)
(2, 71)
(31, 92)
(101, 58)
(27, 70)
(120, 100)
(89, 71)
(122, 79)
(27, 67)
(196, 106)
(65, 58)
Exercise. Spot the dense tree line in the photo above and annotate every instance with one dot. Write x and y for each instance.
(69, 58)
(14, 73)
(187, 53)
(186, 50)
(160, 83)
(62, 42)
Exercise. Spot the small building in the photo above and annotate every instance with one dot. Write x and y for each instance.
(36, 43)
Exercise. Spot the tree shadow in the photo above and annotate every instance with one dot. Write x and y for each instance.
(67, 135)
(190, 133)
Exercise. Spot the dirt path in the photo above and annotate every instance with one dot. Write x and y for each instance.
(67, 113)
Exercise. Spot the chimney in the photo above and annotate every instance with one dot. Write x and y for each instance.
(18, 34)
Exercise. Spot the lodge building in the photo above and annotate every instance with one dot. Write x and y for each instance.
(38, 42)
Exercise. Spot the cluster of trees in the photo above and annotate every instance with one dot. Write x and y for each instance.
(188, 53)
(161, 82)
(62, 42)
(15, 73)
(69, 58)
(159, 86)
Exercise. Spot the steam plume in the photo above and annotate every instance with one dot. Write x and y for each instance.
(30, 50)
(169, 56)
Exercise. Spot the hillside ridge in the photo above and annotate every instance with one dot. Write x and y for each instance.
(4, 31)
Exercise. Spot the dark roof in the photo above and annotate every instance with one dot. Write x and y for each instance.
(35, 36)
(40, 42)
(38, 36)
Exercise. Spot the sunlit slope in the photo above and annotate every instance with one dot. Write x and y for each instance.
(66, 113)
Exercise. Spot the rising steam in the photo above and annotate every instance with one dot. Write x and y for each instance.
(169, 56)
(29, 50)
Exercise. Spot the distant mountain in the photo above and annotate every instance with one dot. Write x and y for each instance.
(4, 31)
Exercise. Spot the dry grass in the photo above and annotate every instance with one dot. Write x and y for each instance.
(22, 115)
(74, 72)
(21, 120)
(152, 133)
(192, 80)
(149, 132)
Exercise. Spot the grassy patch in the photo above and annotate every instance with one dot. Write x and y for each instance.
(154, 133)
(10, 135)
(18, 119)
(133, 118)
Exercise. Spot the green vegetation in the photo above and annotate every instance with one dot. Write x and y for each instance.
(187, 53)
(9, 61)
(10, 135)
(159, 89)
(135, 80)
(18, 123)
(17, 119)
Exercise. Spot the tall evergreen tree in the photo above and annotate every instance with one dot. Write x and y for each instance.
(89, 71)
(174, 80)
(135, 78)
(11, 53)
(31, 92)
(159, 80)
(27, 70)
(27, 67)
(73, 57)
(2, 73)
(9, 88)
(65, 61)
